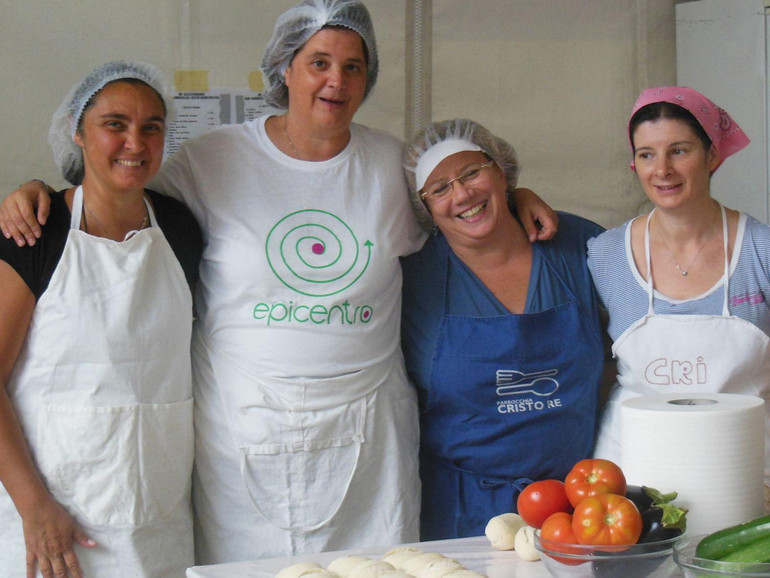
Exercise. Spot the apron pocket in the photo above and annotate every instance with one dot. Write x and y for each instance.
(298, 480)
(128, 465)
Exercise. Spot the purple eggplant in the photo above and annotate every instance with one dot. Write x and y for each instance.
(660, 518)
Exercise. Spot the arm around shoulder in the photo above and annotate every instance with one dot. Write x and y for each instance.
(539, 220)
(19, 218)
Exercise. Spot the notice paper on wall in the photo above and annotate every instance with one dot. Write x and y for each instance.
(200, 112)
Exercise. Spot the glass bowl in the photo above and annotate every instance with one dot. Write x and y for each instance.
(653, 559)
(692, 566)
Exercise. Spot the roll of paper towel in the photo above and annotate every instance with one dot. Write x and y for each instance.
(707, 447)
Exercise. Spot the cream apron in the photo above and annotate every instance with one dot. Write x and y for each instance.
(102, 388)
(305, 463)
(686, 353)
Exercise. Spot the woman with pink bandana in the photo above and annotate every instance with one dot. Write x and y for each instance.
(685, 285)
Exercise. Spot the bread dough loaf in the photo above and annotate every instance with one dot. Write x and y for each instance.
(371, 569)
(398, 556)
(440, 568)
(417, 564)
(401, 562)
(297, 570)
(401, 549)
(501, 530)
(344, 565)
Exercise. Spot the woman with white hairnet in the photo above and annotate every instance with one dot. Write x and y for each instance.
(306, 426)
(501, 337)
(96, 433)
(305, 423)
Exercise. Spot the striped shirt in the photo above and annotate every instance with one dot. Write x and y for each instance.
(624, 292)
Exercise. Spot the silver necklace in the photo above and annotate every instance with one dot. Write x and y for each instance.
(142, 225)
(679, 267)
(291, 144)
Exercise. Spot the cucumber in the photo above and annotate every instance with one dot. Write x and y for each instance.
(717, 545)
(757, 551)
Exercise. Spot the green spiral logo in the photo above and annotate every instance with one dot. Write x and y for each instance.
(315, 253)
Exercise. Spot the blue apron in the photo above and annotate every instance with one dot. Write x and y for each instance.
(513, 398)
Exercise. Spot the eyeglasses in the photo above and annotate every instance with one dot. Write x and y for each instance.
(471, 176)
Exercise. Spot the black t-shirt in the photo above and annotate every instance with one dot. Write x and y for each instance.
(36, 264)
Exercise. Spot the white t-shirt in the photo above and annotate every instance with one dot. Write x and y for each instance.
(300, 272)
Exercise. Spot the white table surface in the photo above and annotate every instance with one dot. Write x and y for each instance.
(474, 553)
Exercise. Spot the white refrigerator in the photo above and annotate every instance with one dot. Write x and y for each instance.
(723, 51)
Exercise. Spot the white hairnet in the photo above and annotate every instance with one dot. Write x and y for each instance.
(295, 27)
(459, 129)
(65, 121)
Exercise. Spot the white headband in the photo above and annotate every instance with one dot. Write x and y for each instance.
(437, 153)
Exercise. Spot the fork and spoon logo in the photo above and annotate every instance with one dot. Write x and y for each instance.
(513, 382)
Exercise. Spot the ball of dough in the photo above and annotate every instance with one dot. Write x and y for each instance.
(416, 564)
(371, 569)
(524, 544)
(297, 570)
(501, 530)
(344, 565)
(464, 573)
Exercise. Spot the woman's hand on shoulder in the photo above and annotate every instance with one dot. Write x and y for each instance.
(49, 535)
(18, 218)
(539, 220)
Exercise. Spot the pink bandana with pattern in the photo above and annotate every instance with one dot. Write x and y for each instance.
(724, 132)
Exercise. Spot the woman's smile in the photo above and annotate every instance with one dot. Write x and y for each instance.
(129, 163)
(473, 211)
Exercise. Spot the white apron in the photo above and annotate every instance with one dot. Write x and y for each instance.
(102, 388)
(686, 353)
(303, 460)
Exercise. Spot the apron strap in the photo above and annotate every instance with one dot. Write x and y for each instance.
(650, 289)
(77, 208)
(725, 276)
(77, 211)
(725, 239)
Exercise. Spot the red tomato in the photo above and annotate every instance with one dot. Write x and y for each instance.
(592, 477)
(607, 519)
(541, 499)
(557, 530)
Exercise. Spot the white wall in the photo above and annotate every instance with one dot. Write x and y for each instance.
(736, 78)
(555, 77)
(557, 80)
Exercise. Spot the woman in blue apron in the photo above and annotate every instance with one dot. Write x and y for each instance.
(96, 434)
(501, 337)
